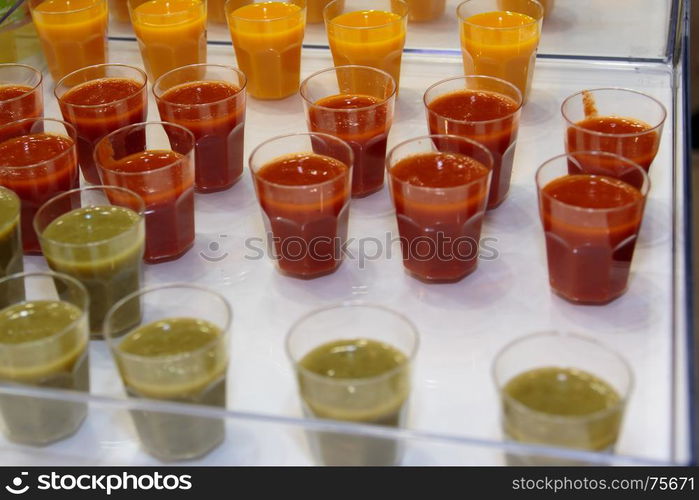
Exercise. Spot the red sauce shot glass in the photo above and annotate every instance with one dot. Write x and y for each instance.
(161, 171)
(482, 108)
(439, 185)
(209, 100)
(355, 104)
(98, 100)
(591, 205)
(38, 160)
(304, 184)
(21, 93)
(620, 121)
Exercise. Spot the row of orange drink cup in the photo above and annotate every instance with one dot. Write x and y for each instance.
(268, 36)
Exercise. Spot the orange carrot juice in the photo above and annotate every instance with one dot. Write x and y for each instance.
(73, 33)
(217, 11)
(267, 37)
(373, 38)
(502, 44)
(171, 33)
(314, 10)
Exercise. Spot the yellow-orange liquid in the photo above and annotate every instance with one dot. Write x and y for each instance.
(425, 10)
(267, 38)
(314, 10)
(217, 12)
(119, 10)
(370, 38)
(171, 34)
(508, 52)
(73, 33)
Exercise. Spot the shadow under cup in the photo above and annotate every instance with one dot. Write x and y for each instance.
(57, 306)
(589, 250)
(194, 376)
(381, 399)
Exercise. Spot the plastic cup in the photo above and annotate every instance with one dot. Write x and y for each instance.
(21, 93)
(94, 121)
(565, 355)
(194, 376)
(440, 227)
(37, 181)
(380, 399)
(503, 49)
(583, 132)
(590, 249)
(306, 224)
(163, 177)
(364, 127)
(44, 343)
(375, 39)
(267, 39)
(218, 125)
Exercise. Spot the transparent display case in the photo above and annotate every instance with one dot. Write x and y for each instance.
(454, 408)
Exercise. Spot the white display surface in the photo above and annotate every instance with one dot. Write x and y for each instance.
(462, 325)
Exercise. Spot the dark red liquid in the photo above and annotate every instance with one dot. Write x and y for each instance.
(364, 125)
(440, 228)
(486, 117)
(18, 102)
(168, 195)
(589, 253)
(56, 172)
(640, 148)
(215, 113)
(308, 224)
(99, 107)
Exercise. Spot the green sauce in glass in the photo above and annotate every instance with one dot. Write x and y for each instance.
(11, 254)
(102, 247)
(176, 359)
(562, 407)
(358, 380)
(43, 343)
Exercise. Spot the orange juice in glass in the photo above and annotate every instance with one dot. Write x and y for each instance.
(425, 10)
(267, 38)
(119, 11)
(501, 43)
(314, 10)
(171, 33)
(73, 33)
(217, 11)
(367, 33)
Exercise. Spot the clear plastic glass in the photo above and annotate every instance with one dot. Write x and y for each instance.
(375, 39)
(192, 376)
(169, 35)
(109, 268)
(440, 227)
(583, 110)
(499, 134)
(21, 93)
(11, 255)
(506, 48)
(164, 179)
(336, 103)
(94, 121)
(71, 38)
(218, 125)
(589, 250)
(36, 183)
(597, 431)
(306, 224)
(421, 11)
(57, 306)
(267, 43)
(382, 399)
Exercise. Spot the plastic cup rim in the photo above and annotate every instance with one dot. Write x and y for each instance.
(69, 128)
(141, 88)
(33, 89)
(403, 16)
(159, 95)
(536, 20)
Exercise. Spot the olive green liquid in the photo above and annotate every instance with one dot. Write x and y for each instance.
(102, 247)
(545, 393)
(43, 343)
(10, 247)
(378, 397)
(200, 380)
